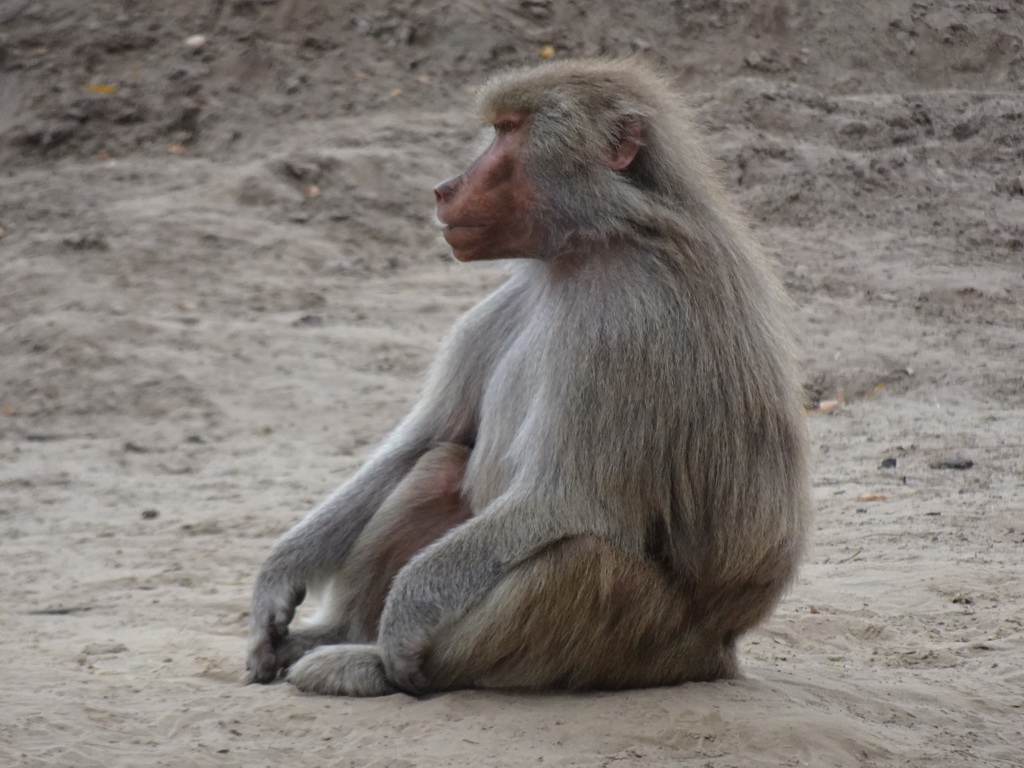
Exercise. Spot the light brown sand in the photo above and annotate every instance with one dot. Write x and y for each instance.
(194, 350)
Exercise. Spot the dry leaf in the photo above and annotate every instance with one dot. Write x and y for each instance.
(176, 149)
(101, 88)
(395, 92)
(8, 411)
(547, 52)
(872, 497)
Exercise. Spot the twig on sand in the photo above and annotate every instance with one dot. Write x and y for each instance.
(848, 559)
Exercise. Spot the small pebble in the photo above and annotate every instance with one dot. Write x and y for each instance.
(1011, 186)
(195, 42)
(953, 463)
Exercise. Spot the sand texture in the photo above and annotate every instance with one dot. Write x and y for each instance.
(220, 285)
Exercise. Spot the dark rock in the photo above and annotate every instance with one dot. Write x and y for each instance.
(952, 463)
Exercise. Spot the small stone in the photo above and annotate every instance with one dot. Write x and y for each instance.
(888, 463)
(150, 514)
(967, 128)
(952, 463)
(195, 42)
(1011, 186)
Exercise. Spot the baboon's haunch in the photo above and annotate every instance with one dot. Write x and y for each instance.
(604, 484)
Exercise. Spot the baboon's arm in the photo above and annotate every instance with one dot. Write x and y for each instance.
(448, 411)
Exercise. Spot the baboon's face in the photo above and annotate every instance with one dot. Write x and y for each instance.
(488, 210)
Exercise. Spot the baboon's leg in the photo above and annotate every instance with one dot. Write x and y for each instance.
(341, 670)
(579, 615)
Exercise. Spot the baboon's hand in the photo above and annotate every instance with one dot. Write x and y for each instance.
(273, 606)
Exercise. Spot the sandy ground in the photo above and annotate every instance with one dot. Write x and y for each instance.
(219, 286)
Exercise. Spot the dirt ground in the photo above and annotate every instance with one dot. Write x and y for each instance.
(220, 284)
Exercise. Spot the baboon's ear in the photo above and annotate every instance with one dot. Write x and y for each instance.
(628, 140)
